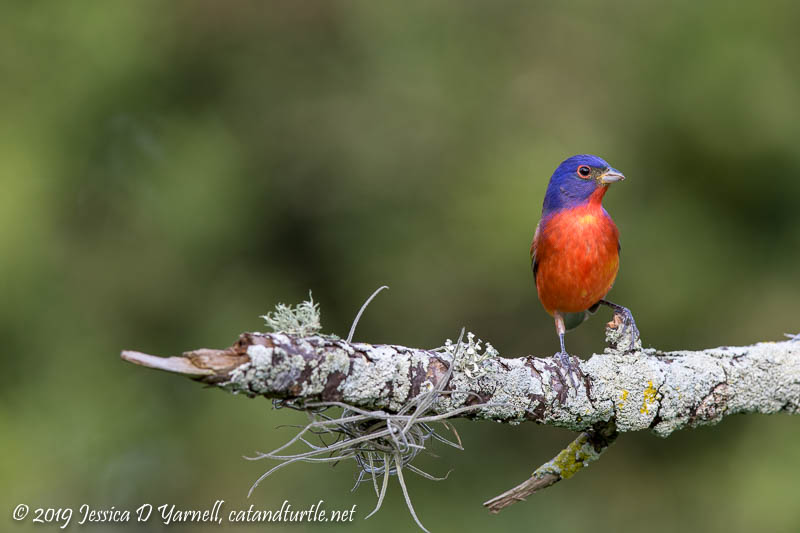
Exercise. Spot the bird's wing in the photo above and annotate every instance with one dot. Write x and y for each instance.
(534, 244)
(573, 320)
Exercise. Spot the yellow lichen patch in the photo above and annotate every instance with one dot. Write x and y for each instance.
(623, 397)
(574, 457)
(649, 398)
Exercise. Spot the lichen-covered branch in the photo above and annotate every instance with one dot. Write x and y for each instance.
(639, 388)
(396, 391)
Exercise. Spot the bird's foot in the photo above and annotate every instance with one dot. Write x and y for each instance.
(622, 331)
(567, 366)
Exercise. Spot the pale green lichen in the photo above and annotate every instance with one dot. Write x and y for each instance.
(559, 405)
(474, 369)
(510, 396)
(471, 355)
(619, 340)
(515, 388)
(698, 373)
(268, 370)
(642, 377)
(377, 371)
(426, 386)
(332, 361)
(302, 319)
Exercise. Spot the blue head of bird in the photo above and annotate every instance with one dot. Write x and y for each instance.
(576, 179)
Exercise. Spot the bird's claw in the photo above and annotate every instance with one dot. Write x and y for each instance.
(628, 325)
(794, 337)
(625, 327)
(567, 366)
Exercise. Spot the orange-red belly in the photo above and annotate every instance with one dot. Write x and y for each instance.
(577, 253)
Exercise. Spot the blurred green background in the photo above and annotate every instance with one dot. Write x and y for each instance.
(171, 170)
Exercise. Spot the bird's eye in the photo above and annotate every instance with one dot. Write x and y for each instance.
(584, 171)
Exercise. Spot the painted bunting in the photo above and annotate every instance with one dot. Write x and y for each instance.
(575, 250)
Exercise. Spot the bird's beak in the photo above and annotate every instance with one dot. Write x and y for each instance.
(611, 176)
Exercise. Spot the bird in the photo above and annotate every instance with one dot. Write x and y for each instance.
(575, 248)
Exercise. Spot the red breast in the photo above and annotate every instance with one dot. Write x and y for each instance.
(577, 254)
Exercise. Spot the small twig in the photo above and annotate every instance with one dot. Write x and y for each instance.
(579, 454)
(177, 365)
(521, 491)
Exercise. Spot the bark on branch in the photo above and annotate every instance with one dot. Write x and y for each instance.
(626, 388)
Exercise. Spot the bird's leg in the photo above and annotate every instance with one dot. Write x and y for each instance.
(563, 355)
(628, 323)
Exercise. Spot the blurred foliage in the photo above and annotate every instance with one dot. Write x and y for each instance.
(170, 171)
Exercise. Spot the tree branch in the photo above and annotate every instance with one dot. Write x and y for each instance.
(626, 388)
(640, 389)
